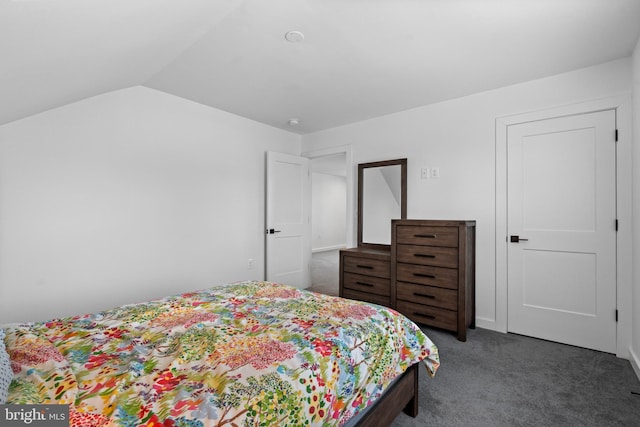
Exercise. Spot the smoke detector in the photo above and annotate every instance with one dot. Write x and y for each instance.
(294, 36)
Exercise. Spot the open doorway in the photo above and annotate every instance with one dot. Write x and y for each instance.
(331, 229)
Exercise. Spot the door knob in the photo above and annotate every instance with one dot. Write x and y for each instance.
(516, 239)
(272, 231)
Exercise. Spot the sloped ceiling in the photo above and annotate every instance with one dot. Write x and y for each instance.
(359, 58)
(53, 52)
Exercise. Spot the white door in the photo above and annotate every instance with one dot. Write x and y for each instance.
(288, 226)
(562, 200)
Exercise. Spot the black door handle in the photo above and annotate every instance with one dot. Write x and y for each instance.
(272, 231)
(516, 239)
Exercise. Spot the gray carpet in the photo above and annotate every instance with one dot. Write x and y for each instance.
(324, 272)
(497, 379)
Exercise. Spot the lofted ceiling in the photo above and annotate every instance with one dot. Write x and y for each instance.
(359, 58)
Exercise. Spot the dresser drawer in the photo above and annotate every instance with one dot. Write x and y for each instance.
(372, 284)
(367, 297)
(431, 236)
(440, 318)
(428, 295)
(427, 275)
(366, 266)
(428, 255)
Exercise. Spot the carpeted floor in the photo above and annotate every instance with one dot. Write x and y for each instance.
(496, 379)
(324, 272)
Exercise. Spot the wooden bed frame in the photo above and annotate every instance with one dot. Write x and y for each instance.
(401, 396)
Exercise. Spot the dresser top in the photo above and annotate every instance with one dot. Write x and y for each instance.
(368, 252)
(434, 222)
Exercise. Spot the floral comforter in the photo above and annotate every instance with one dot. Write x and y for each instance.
(252, 353)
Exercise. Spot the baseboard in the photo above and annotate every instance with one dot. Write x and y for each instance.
(635, 362)
(488, 324)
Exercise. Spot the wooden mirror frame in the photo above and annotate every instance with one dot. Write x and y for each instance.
(403, 197)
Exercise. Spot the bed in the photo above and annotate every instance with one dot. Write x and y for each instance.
(245, 354)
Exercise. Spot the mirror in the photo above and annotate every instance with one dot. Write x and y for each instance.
(382, 196)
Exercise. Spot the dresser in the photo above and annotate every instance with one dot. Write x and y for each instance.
(432, 272)
(365, 275)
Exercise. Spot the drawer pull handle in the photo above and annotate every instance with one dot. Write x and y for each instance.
(364, 284)
(424, 295)
(424, 255)
(365, 266)
(428, 316)
(428, 276)
(426, 236)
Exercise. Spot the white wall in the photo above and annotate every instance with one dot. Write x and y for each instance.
(127, 196)
(328, 211)
(635, 346)
(458, 136)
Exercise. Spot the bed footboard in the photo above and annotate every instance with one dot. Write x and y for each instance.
(402, 396)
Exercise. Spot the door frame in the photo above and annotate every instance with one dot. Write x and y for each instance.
(622, 105)
(350, 178)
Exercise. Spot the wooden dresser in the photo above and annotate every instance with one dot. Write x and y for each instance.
(365, 275)
(433, 272)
